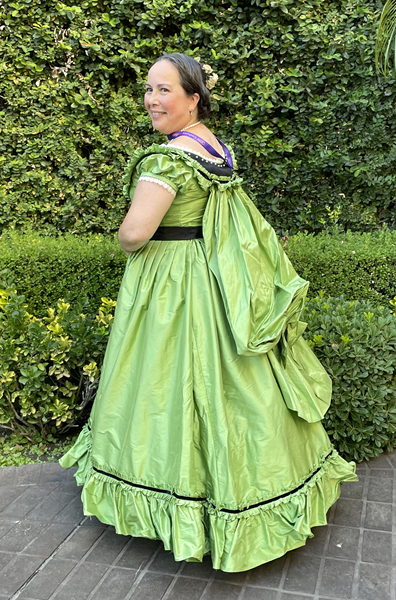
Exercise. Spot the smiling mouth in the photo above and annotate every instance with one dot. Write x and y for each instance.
(156, 113)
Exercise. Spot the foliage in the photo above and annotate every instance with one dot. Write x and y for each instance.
(359, 266)
(16, 450)
(297, 97)
(385, 46)
(356, 343)
(69, 267)
(49, 366)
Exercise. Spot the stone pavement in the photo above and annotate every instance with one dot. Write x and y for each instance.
(50, 551)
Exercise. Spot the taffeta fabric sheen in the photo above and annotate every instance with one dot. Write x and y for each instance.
(205, 431)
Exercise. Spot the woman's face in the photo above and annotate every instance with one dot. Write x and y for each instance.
(166, 101)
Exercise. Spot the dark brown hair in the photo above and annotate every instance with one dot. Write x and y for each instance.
(192, 79)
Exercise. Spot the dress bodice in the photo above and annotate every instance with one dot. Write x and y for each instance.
(188, 174)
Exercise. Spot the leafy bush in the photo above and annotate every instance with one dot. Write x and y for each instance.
(356, 343)
(70, 267)
(297, 97)
(49, 367)
(360, 266)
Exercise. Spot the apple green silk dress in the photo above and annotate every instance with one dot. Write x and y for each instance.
(205, 432)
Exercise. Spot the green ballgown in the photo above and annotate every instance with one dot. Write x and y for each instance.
(205, 431)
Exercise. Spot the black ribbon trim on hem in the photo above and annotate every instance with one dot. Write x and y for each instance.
(225, 510)
(146, 487)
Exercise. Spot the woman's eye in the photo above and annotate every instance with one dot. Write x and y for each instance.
(164, 90)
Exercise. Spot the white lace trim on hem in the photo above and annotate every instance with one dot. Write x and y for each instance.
(154, 180)
(216, 161)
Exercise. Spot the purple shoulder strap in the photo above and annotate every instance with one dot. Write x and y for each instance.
(205, 144)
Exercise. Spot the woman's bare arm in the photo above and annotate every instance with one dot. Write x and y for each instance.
(149, 204)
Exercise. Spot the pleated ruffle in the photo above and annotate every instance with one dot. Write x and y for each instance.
(236, 541)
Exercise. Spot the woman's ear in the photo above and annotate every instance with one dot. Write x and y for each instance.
(194, 101)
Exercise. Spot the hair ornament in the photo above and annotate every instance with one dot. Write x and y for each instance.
(211, 76)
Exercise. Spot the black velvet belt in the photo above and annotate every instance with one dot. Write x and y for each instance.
(167, 234)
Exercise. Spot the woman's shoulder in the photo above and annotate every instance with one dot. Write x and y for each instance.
(172, 162)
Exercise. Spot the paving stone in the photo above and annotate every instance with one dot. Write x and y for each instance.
(187, 588)
(108, 548)
(219, 590)
(152, 587)
(9, 494)
(138, 553)
(382, 473)
(80, 542)
(92, 522)
(28, 474)
(6, 525)
(374, 582)
(238, 578)
(343, 542)
(49, 540)
(26, 502)
(201, 570)
(54, 472)
(81, 583)
(44, 584)
(316, 544)
(380, 462)
(380, 490)
(377, 547)
(69, 487)
(117, 584)
(348, 512)
(252, 593)
(17, 572)
(71, 513)
(5, 558)
(337, 578)
(20, 536)
(294, 597)
(165, 562)
(302, 573)
(378, 516)
(353, 489)
(269, 574)
(7, 476)
(51, 506)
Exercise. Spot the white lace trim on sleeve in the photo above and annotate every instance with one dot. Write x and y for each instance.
(154, 180)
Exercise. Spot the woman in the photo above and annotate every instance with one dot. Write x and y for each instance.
(205, 430)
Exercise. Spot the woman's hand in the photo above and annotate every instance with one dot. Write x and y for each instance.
(149, 205)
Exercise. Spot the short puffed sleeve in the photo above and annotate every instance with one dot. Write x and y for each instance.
(166, 170)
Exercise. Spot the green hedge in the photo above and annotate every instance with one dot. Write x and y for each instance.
(47, 268)
(356, 343)
(360, 266)
(297, 97)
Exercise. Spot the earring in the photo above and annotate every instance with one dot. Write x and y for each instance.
(191, 112)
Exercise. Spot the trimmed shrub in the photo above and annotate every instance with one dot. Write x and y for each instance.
(356, 343)
(360, 266)
(71, 267)
(297, 98)
(49, 367)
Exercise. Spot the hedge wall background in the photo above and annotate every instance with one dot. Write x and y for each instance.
(47, 268)
(312, 125)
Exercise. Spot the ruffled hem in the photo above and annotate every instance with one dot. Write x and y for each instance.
(237, 541)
